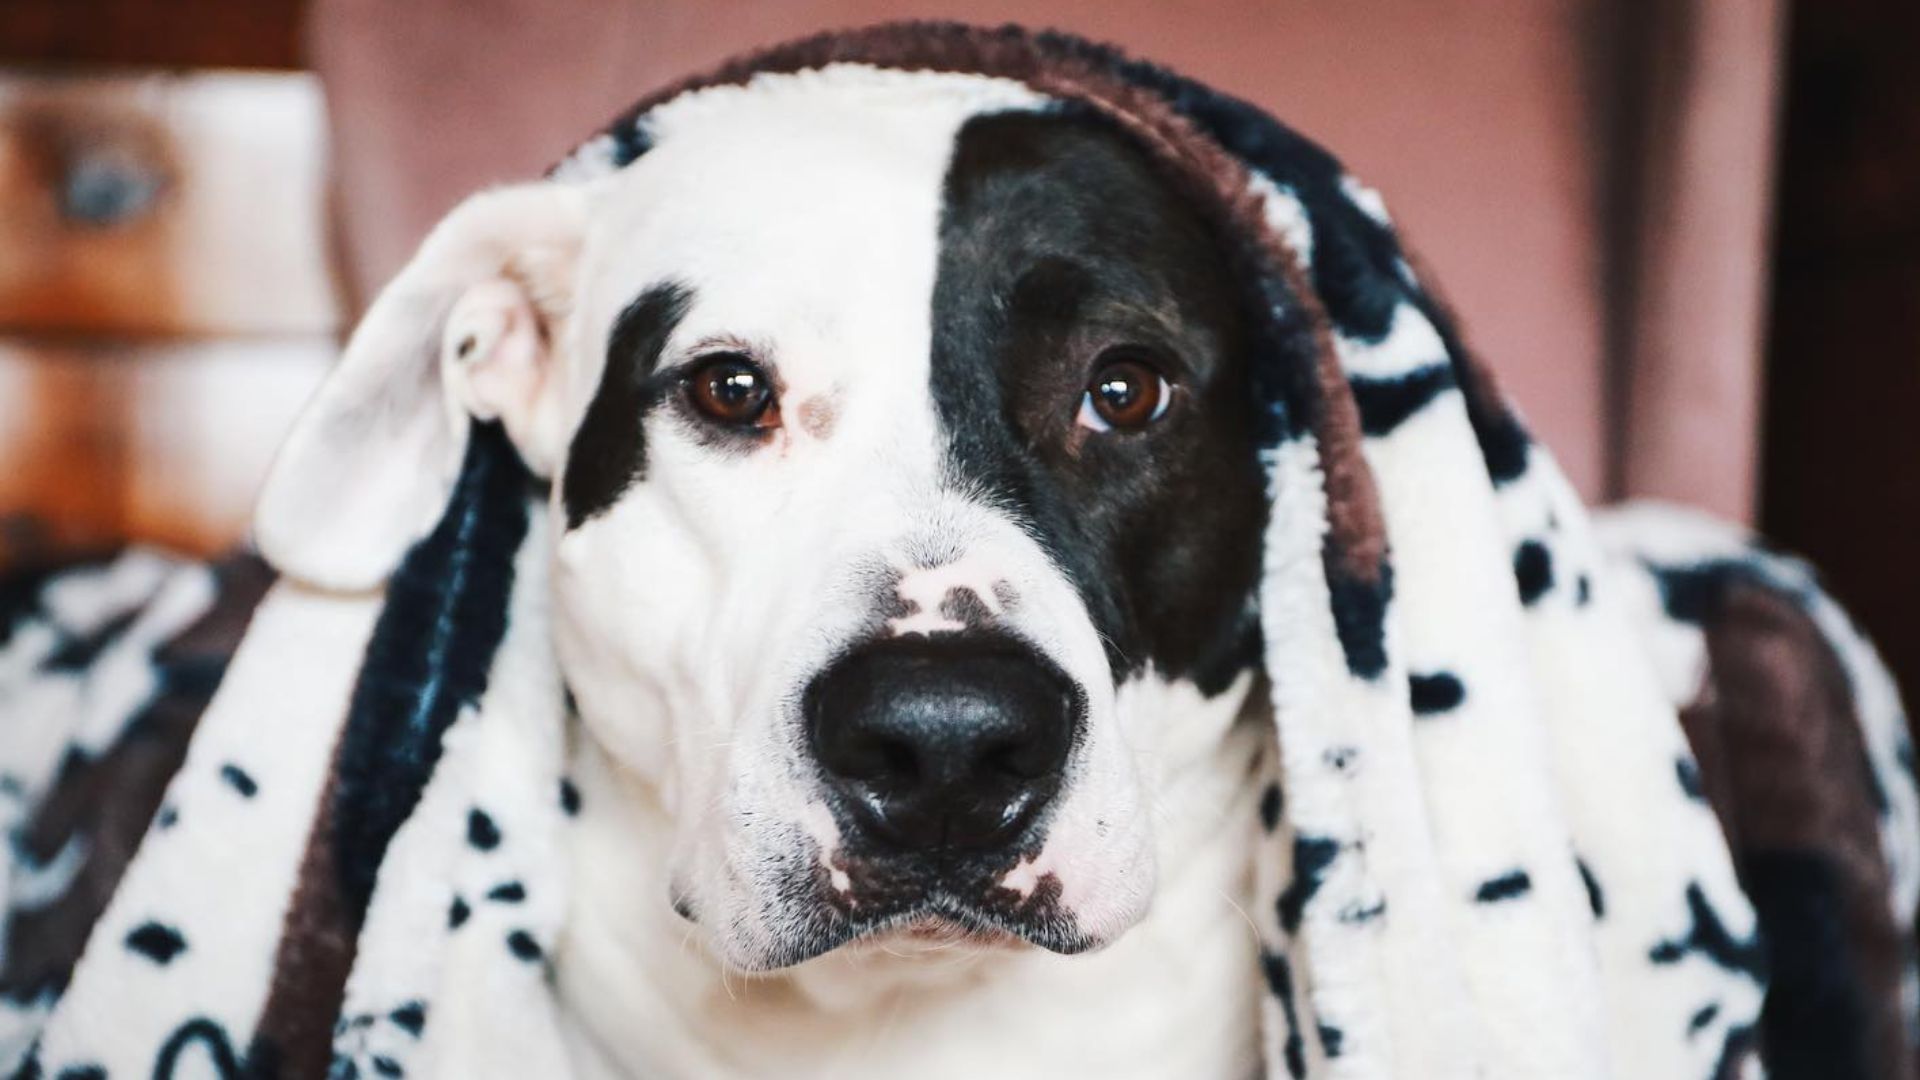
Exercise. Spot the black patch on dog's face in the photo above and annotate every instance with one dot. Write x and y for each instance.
(609, 452)
(1058, 242)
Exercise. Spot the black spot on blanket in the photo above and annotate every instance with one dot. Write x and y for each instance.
(386, 1066)
(1688, 773)
(1271, 803)
(1532, 570)
(410, 1018)
(1708, 936)
(523, 946)
(1596, 899)
(482, 833)
(1332, 1039)
(457, 913)
(156, 942)
(630, 141)
(238, 780)
(1511, 885)
(1702, 1017)
(569, 798)
(1387, 403)
(1360, 616)
(1359, 913)
(211, 1037)
(1312, 855)
(82, 1072)
(1436, 693)
(509, 892)
(1694, 592)
(80, 651)
(1279, 975)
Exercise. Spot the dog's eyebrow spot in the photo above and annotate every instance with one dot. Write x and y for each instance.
(817, 414)
(608, 452)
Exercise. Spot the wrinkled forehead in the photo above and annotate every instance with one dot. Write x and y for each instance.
(799, 211)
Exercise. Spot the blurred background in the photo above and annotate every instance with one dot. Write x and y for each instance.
(1686, 232)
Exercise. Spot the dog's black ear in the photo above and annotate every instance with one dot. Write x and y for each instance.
(464, 331)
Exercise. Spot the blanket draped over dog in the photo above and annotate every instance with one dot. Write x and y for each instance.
(1541, 788)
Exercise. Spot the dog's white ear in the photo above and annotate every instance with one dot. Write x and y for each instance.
(467, 330)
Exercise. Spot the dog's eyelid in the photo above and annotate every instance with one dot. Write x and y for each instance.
(1169, 363)
(687, 359)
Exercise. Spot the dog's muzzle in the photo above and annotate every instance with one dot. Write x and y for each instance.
(942, 743)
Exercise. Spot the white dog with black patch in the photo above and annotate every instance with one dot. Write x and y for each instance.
(910, 530)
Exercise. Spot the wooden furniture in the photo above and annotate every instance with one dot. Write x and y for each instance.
(165, 303)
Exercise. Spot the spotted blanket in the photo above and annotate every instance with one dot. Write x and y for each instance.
(1553, 797)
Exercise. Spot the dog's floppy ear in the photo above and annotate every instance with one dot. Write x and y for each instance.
(467, 330)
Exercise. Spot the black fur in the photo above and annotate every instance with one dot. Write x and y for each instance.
(609, 451)
(1059, 241)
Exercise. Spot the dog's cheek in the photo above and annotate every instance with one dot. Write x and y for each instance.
(1098, 847)
(618, 631)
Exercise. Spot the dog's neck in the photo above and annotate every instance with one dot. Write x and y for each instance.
(1175, 996)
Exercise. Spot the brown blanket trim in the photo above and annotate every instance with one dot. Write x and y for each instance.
(293, 1039)
(1782, 760)
(107, 803)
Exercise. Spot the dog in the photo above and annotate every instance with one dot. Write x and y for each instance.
(906, 524)
(920, 443)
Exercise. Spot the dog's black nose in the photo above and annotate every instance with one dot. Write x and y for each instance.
(942, 745)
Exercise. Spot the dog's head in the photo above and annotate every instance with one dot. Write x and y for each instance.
(900, 458)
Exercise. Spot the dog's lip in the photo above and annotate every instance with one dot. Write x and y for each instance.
(936, 930)
(932, 934)
(944, 921)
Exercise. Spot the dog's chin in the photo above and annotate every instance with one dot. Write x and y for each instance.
(941, 925)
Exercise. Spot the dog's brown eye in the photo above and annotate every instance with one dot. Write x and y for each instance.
(731, 389)
(1127, 394)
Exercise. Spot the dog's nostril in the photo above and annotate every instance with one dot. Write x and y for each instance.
(942, 745)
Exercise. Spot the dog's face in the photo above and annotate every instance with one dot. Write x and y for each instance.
(900, 466)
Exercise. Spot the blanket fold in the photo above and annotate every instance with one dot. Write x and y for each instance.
(1539, 791)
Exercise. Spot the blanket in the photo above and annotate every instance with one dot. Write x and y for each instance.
(1550, 797)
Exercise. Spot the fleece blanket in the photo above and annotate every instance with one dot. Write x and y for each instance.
(1542, 787)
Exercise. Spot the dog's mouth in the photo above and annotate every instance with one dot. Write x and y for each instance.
(929, 934)
(927, 917)
(942, 921)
